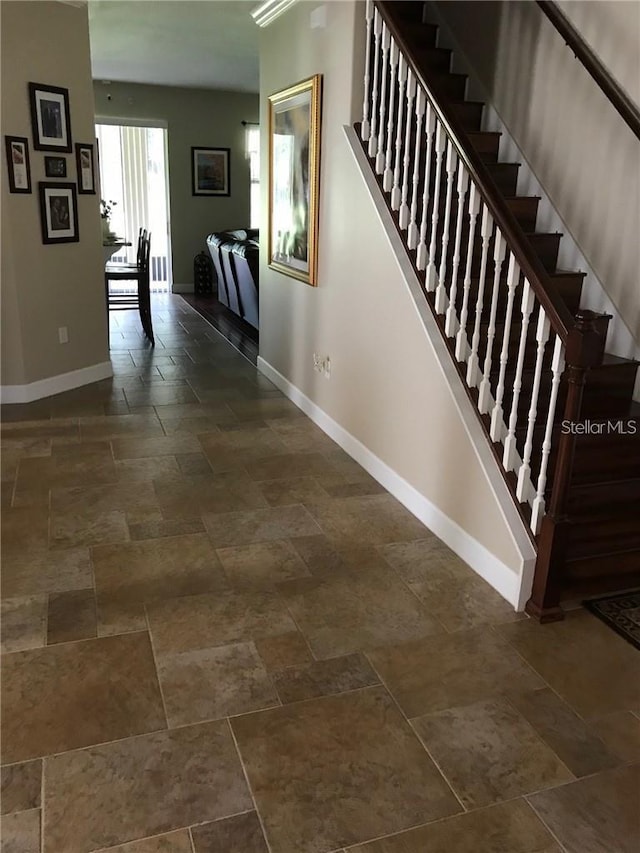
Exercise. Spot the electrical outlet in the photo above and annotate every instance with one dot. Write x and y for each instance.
(63, 335)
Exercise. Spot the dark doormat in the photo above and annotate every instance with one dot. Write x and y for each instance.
(620, 612)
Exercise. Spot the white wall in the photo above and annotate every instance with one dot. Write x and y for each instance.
(48, 286)
(386, 388)
(581, 151)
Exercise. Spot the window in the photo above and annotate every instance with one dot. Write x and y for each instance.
(252, 143)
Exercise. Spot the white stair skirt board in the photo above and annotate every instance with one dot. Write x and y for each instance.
(620, 339)
(55, 384)
(503, 579)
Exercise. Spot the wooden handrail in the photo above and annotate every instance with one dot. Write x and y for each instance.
(554, 306)
(600, 73)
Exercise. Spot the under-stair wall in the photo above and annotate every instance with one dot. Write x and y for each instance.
(387, 401)
(579, 149)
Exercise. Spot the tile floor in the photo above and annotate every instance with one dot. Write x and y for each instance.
(220, 635)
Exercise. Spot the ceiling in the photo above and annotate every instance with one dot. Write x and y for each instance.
(202, 43)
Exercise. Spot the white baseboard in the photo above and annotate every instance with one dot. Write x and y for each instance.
(177, 287)
(55, 384)
(503, 579)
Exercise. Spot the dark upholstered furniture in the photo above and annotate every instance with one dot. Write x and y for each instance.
(235, 256)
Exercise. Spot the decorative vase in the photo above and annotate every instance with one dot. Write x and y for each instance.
(107, 233)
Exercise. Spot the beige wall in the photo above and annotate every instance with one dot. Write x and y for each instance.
(385, 387)
(48, 286)
(195, 117)
(581, 151)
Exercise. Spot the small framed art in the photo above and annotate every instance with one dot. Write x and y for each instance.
(210, 171)
(58, 212)
(55, 167)
(50, 119)
(18, 167)
(86, 171)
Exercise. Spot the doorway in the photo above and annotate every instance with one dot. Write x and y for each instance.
(134, 179)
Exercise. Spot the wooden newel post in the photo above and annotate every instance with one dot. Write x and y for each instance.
(584, 349)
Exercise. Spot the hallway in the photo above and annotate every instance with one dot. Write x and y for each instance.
(221, 635)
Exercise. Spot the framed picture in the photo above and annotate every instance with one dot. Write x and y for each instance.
(50, 120)
(86, 169)
(58, 213)
(55, 167)
(210, 171)
(18, 167)
(294, 179)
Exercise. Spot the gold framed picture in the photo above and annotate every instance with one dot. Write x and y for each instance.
(294, 179)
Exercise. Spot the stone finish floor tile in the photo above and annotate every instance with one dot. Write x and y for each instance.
(22, 623)
(20, 832)
(621, 734)
(575, 655)
(262, 564)
(202, 621)
(453, 669)
(283, 650)
(596, 814)
(571, 739)
(338, 770)
(354, 610)
(238, 834)
(488, 752)
(453, 592)
(207, 684)
(159, 527)
(292, 490)
(374, 519)
(20, 786)
(511, 827)
(71, 616)
(75, 694)
(262, 525)
(44, 571)
(172, 842)
(131, 574)
(181, 496)
(142, 786)
(322, 678)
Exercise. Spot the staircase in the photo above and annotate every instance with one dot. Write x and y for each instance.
(557, 408)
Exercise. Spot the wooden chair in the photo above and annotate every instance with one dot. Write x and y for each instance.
(138, 272)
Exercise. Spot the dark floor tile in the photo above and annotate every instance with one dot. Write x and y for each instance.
(142, 786)
(323, 678)
(71, 616)
(511, 827)
(21, 832)
(75, 694)
(338, 770)
(238, 834)
(21, 784)
(594, 815)
(283, 650)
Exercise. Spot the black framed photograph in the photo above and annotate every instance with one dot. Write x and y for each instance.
(55, 167)
(18, 167)
(86, 170)
(58, 212)
(50, 119)
(210, 171)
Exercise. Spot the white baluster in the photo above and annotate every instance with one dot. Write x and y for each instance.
(451, 319)
(387, 177)
(377, 34)
(441, 293)
(365, 129)
(462, 344)
(403, 216)
(380, 156)
(497, 416)
(430, 127)
(421, 104)
(510, 454)
(524, 487)
(473, 367)
(557, 366)
(440, 145)
(402, 82)
(484, 393)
